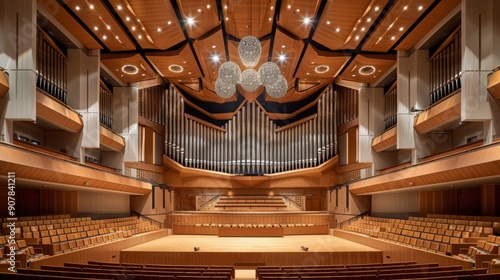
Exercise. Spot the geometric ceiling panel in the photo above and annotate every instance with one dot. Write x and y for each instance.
(286, 52)
(297, 16)
(199, 16)
(248, 18)
(399, 19)
(177, 64)
(153, 24)
(130, 68)
(98, 19)
(317, 64)
(344, 23)
(211, 54)
(367, 68)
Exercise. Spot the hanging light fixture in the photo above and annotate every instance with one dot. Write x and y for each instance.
(269, 74)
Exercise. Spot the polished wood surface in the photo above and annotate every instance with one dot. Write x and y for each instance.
(494, 85)
(55, 112)
(111, 140)
(249, 232)
(444, 112)
(250, 251)
(386, 140)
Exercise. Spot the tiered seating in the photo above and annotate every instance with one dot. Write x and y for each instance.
(495, 221)
(24, 252)
(250, 202)
(483, 247)
(103, 270)
(399, 270)
(55, 236)
(433, 234)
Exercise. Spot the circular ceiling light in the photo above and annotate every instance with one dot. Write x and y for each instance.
(130, 69)
(321, 69)
(175, 68)
(367, 70)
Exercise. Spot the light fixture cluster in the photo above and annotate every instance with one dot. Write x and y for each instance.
(268, 75)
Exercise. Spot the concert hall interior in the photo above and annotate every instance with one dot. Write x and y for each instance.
(250, 139)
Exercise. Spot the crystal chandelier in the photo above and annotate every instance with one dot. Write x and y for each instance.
(269, 74)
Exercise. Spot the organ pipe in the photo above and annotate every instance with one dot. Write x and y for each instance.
(250, 142)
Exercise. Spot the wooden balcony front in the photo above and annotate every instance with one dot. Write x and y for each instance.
(494, 85)
(386, 140)
(110, 140)
(44, 166)
(57, 113)
(445, 111)
(475, 162)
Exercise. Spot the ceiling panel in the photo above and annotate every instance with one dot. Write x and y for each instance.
(398, 20)
(368, 68)
(98, 18)
(130, 68)
(286, 52)
(244, 18)
(199, 16)
(297, 16)
(179, 64)
(318, 64)
(211, 54)
(153, 23)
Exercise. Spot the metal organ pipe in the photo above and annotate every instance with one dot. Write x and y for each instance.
(250, 142)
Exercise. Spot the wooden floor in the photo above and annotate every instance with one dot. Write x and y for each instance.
(249, 252)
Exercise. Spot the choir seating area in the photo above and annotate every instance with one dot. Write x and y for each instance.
(399, 270)
(106, 270)
(250, 203)
(465, 237)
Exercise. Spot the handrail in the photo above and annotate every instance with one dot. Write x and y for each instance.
(139, 215)
(340, 225)
(208, 201)
(293, 202)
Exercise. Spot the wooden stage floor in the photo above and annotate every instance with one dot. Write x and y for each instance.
(249, 252)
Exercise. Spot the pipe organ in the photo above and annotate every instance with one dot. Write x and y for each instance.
(390, 106)
(446, 68)
(51, 67)
(105, 106)
(249, 143)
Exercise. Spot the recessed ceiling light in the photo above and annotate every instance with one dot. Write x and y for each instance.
(96, 28)
(127, 18)
(104, 37)
(119, 7)
(159, 29)
(282, 57)
(357, 38)
(368, 19)
(215, 58)
(307, 73)
(366, 70)
(208, 6)
(77, 8)
(91, 6)
(140, 36)
(175, 68)
(337, 29)
(321, 69)
(327, 22)
(283, 46)
(213, 47)
(227, 18)
(289, 6)
(190, 21)
(393, 37)
(199, 10)
(354, 75)
(189, 73)
(362, 29)
(405, 8)
(298, 10)
(270, 19)
(133, 28)
(376, 8)
(169, 22)
(307, 20)
(420, 8)
(272, 7)
(401, 28)
(225, 7)
(143, 74)
(130, 69)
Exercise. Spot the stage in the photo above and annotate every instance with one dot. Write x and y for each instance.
(249, 252)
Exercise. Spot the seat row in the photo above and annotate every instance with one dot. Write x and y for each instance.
(371, 271)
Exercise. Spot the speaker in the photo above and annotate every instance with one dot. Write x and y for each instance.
(4, 82)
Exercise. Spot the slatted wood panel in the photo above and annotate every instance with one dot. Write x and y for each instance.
(152, 102)
(204, 14)
(115, 62)
(347, 104)
(356, 71)
(244, 18)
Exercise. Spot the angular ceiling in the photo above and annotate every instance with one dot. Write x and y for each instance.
(320, 39)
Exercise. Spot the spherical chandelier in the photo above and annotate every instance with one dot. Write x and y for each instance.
(249, 50)
(269, 74)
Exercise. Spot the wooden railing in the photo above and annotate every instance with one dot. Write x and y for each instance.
(105, 106)
(445, 67)
(51, 67)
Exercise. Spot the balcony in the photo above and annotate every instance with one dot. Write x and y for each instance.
(441, 113)
(57, 113)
